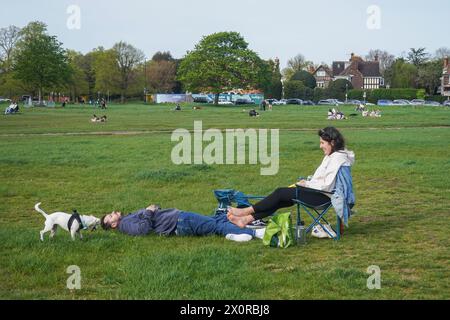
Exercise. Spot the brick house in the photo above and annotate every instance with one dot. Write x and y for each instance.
(362, 74)
(323, 76)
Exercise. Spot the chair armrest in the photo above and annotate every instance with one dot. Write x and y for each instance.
(313, 190)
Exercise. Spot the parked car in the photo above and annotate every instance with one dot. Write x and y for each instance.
(333, 102)
(225, 102)
(417, 102)
(202, 100)
(272, 101)
(401, 102)
(353, 102)
(431, 103)
(446, 103)
(280, 102)
(294, 101)
(385, 102)
(4, 100)
(243, 101)
(308, 103)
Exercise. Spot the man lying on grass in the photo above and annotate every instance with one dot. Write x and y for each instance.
(176, 222)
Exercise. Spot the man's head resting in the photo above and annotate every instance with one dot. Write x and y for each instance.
(111, 220)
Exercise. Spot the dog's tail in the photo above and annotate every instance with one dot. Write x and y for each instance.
(36, 207)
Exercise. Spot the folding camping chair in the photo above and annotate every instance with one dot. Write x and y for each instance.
(343, 178)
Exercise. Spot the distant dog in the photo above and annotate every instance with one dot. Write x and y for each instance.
(197, 108)
(72, 223)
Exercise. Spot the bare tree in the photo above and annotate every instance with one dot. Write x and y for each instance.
(295, 64)
(386, 59)
(8, 39)
(162, 75)
(442, 52)
(128, 58)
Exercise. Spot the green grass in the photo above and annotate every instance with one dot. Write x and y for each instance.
(401, 179)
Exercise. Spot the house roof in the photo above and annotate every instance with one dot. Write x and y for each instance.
(338, 67)
(366, 68)
(324, 68)
(370, 68)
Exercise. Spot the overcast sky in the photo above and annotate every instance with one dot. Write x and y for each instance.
(320, 30)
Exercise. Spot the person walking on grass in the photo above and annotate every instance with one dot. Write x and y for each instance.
(336, 155)
(169, 222)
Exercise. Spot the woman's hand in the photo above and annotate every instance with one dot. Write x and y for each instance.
(301, 183)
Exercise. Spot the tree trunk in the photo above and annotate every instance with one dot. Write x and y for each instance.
(216, 99)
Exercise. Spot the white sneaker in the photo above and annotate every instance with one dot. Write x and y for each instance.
(318, 232)
(239, 237)
(330, 230)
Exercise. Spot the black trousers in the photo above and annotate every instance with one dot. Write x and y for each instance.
(282, 198)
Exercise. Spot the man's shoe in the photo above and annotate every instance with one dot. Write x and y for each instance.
(257, 224)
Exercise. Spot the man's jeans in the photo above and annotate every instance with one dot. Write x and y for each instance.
(194, 224)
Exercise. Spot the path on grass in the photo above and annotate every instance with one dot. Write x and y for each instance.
(143, 132)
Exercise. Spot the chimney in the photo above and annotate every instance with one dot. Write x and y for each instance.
(351, 56)
(445, 62)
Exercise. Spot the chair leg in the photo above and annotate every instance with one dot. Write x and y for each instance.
(339, 228)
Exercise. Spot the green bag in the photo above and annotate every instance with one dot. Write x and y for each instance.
(279, 232)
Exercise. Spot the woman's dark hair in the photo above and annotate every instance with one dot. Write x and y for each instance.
(334, 137)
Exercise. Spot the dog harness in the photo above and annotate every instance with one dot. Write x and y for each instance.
(76, 216)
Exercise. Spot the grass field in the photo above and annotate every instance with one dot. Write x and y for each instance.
(57, 157)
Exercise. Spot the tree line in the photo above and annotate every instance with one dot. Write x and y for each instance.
(34, 62)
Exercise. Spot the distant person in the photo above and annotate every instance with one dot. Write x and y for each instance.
(263, 105)
(330, 115)
(64, 103)
(103, 104)
(253, 113)
(270, 106)
(12, 108)
(178, 107)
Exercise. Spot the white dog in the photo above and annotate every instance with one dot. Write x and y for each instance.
(62, 219)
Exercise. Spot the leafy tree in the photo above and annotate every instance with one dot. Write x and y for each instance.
(106, 70)
(220, 62)
(127, 58)
(337, 88)
(402, 74)
(417, 56)
(41, 61)
(429, 76)
(162, 56)
(274, 89)
(306, 77)
(77, 83)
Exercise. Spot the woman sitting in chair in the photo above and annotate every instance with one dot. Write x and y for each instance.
(333, 145)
